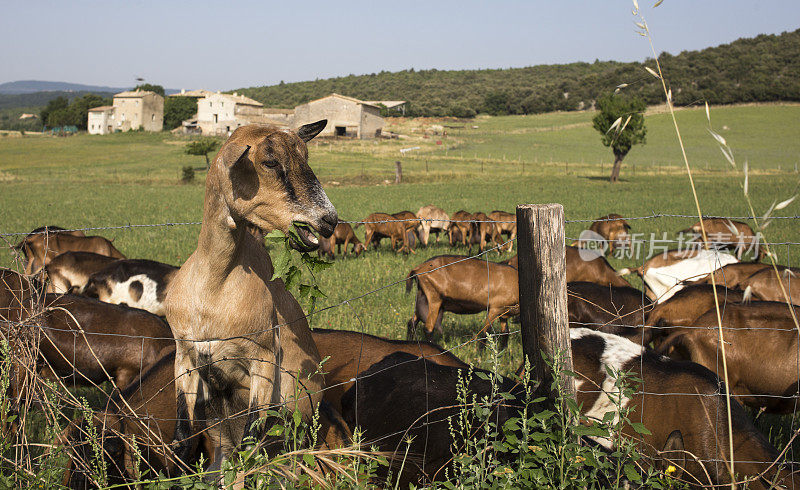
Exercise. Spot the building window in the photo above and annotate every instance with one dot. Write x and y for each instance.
(215, 118)
(210, 104)
(152, 117)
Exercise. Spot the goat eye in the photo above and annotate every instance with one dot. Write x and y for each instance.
(271, 163)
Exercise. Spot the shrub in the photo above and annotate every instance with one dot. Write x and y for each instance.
(188, 174)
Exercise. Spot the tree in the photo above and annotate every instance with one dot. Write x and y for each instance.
(150, 87)
(178, 109)
(202, 147)
(620, 121)
(54, 105)
(78, 111)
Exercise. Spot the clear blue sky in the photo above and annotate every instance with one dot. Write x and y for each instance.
(223, 45)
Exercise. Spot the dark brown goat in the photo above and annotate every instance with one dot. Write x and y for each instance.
(41, 247)
(687, 305)
(69, 272)
(404, 397)
(761, 350)
(681, 396)
(458, 284)
(610, 309)
(137, 283)
(728, 234)
(343, 234)
(77, 332)
(586, 265)
(149, 413)
(460, 228)
(146, 409)
(381, 225)
(765, 284)
(350, 353)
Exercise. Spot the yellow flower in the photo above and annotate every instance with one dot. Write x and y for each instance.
(534, 448)
(671, 469)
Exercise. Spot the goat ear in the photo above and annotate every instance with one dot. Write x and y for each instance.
(231, 153)
(308, 131)
(674, 455)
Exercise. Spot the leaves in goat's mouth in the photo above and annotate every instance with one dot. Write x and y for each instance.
(284, 264)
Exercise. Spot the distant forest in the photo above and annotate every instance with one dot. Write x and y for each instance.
(761, 69)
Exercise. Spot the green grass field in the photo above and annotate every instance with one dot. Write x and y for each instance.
(123, 180)
(133, 179)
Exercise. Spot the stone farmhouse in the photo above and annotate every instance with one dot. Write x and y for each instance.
(101, 120)
(132, 110)
(346, 116)
(222, 113)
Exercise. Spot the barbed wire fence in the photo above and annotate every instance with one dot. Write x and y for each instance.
(33, 394)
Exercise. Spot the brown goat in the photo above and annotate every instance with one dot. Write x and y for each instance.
(611, 309)
(433, 219)
(350, 353)
(765, 284)
(31, 245)
(689, 304)
(586, 265)
(137, 283)
(458, 284)
(733, 275)
(69, 272)
(504, 224)
(409, 219)
(343, 234)
(87, 341)
(243, 342)
(460, 228)
(728, 234)
(614, 229)
(482, 231)
(381, 225)
(40, 248)
(761, 348)
(18, 296)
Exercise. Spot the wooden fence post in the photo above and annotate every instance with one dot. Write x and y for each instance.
(398, 172)
(543, 291)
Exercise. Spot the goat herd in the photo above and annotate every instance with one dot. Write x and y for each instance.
(192, 347)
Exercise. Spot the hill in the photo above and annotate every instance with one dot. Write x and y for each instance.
(30, 86)
(38, 100)
(760, 69)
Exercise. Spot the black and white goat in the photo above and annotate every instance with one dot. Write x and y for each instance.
(137, 283)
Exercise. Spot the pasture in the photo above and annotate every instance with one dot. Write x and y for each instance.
(122, 184)
(133, 179)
